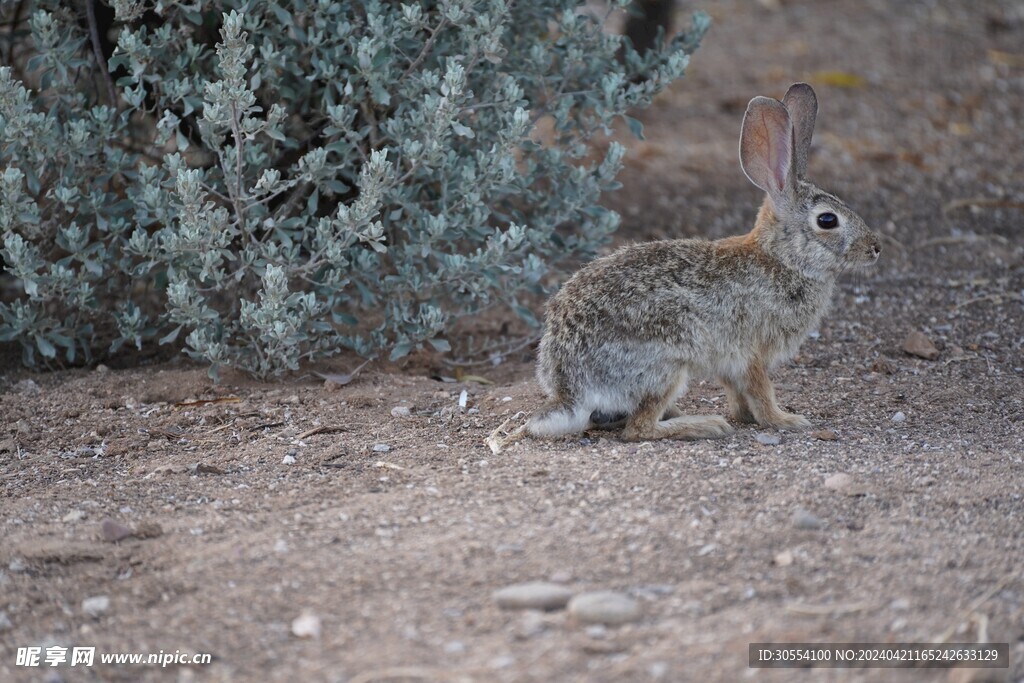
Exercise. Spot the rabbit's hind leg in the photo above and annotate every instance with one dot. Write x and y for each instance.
(647, 424)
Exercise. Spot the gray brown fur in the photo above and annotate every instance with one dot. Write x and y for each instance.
(628, 331)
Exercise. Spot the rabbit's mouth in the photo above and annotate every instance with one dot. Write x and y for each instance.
(866, 256)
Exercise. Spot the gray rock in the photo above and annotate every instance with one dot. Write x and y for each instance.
(28, 387)
(768, 439)
(803, 519)
(381, 448)
(533, 595)
(112, 531)
(401, 411)
(605, 607)
(899, 416)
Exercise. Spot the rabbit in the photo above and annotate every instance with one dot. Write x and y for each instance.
(626, 333)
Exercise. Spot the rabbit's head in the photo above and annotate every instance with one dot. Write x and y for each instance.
(800, 224)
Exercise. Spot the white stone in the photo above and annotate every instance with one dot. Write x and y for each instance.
(534, 595)
(96, 605)
(306, 625)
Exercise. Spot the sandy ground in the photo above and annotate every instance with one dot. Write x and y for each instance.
(391, 524)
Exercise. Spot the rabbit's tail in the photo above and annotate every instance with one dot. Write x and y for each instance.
(558, 419)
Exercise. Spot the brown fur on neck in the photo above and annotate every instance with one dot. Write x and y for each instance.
(754, 240)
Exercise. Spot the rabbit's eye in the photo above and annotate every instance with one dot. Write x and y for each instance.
(827, 221)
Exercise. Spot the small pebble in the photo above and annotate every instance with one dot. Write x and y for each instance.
(783, 559)
(96, 605)
(899, 416)
(838, 481)
(534, 595)
(917, 344)
(561, 576)
(73, 516)
(604, 607)
(146, 530)
(825, 435)
(112, 532)
(288, 459)
(502, 662)
(803, 519)
(306, 625)
(657, 670)
(883, 367)
(532, 624)
(5, 622)
(768, 439)
(17, 565)
(381, 448)
(401, 411)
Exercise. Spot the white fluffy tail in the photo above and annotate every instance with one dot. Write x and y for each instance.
(558, 420)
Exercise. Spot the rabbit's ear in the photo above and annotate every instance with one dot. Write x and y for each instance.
(802, 105)
(766, 148)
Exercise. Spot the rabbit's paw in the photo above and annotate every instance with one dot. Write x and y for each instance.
(784, 420)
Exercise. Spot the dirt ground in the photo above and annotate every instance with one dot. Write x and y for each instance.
(377, 509)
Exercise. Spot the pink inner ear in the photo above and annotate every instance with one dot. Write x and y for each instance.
(778, 147)
(766, 146)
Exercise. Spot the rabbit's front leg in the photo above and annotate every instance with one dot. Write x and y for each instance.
(738, 407)
(754, 391)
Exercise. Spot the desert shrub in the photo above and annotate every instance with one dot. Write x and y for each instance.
(279, 181)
